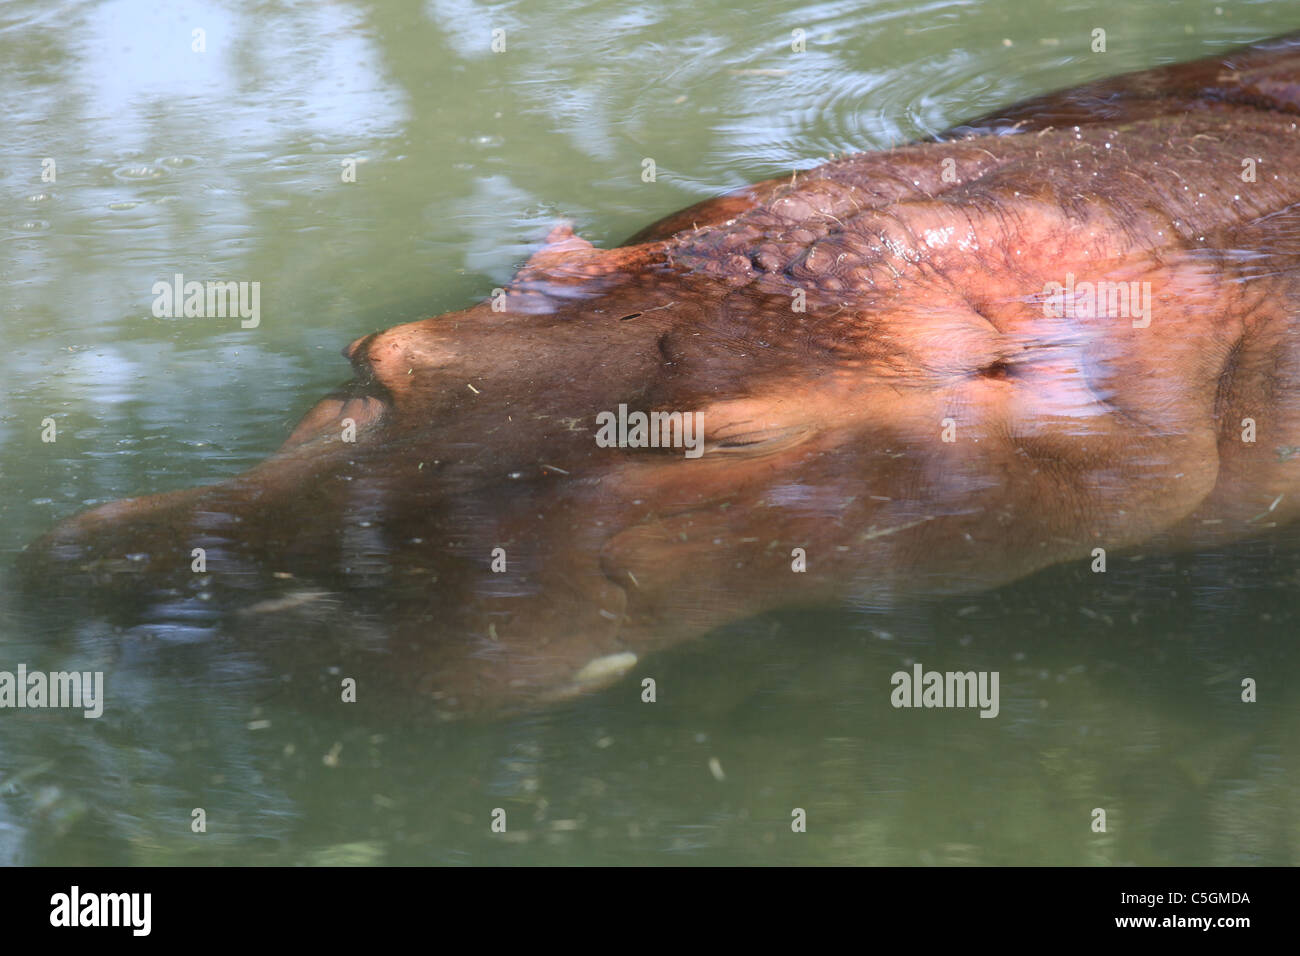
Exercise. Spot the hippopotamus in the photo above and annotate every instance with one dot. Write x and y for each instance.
(1063, 331)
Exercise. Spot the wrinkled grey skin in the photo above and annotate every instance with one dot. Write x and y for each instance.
(932, 420)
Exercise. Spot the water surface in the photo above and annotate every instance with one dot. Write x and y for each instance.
(227, 164)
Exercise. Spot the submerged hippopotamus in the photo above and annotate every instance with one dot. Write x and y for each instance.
(1069, 326)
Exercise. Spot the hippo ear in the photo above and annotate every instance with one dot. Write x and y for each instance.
(563, 239)
(562, 247)
(567, 255)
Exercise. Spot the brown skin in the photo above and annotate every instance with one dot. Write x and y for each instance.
(823, 427)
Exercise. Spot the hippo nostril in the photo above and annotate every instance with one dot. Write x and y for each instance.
(358, 353)
(358, 348)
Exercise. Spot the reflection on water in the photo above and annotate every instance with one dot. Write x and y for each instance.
(225, 164)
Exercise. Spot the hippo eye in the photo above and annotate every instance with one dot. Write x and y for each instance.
(631, 315)
(998, 369)
(760, 441)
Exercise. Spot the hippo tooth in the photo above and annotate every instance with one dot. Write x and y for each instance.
(604, 670)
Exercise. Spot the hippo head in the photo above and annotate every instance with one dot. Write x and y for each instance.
(850, 387)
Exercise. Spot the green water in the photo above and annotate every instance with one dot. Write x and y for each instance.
(227, 164)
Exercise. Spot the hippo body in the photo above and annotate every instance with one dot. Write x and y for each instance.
(918, 372)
